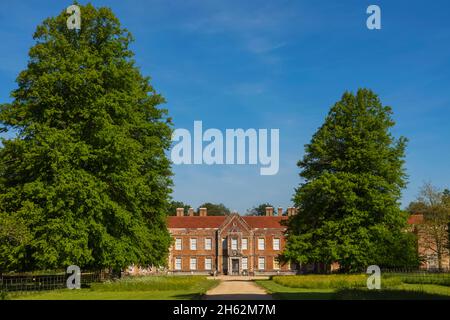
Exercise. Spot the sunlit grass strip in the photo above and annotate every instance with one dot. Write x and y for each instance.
(152, 283)
(437, 278)
(331, 281)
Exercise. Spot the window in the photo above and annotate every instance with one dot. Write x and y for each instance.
(193, 264)
(177, 263)
(178, 244)
(276, 244)
(234, 244)
(224, 243)
(244, 243)
(244, 263)
(208, 244)
(193, 244)
(276, 264)
(261, 244)
(261, 263)
(208, 263)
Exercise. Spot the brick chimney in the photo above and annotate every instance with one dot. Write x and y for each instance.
(191, 212)
(180, 212)
(280, 211)
(203, 212)
(269, 211)
(292, 211)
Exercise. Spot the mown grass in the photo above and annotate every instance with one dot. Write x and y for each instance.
(281, 292)
(136, 288)
(341, 281)
(351, 287)
(152, 283)
(442, 279)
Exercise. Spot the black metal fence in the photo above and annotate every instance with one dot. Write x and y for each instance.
(30, 282)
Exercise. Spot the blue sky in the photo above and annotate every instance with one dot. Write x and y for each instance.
(275, 64)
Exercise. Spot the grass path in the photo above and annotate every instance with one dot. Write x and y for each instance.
(237, 290)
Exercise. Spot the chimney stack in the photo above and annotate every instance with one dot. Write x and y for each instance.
(180, 212)
(269, 211)
(191, 212)
(289, 211)
(280, 211)
(203, 212)
(292, 211)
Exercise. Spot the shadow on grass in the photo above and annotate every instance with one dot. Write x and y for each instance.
(303, 295)
(238, 297)
(189, 296)
(364, 294)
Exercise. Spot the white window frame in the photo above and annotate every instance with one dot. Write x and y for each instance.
(178, 259)
(209, 263)
(234, 243)
(261, 261)
(208, 244)
(244, 244)
(244, 262)
(276, 264)
(178, 243)
(261, 244)
(278, 242)
(193, 264)
(193, 244)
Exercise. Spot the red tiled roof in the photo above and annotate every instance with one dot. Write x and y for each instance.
(187, 222)
(415, 219)
(195, 222)
(252, 221)
(264, 221)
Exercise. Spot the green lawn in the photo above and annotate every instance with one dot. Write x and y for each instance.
(349, 287)
(281, 292)
(140, 288)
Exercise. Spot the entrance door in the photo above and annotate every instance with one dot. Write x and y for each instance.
(235, 266)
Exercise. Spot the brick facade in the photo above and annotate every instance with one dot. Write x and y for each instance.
(232, 244)
(426, 244)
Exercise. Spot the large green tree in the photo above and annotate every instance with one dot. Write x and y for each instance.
(353, 174)
(87, 175)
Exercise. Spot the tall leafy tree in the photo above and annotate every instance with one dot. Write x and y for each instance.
(87, 174)
(353, 174)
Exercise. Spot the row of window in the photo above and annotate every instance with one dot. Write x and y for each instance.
(208, 263)
(234, 243)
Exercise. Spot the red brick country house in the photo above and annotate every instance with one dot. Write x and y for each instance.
(249, 245)
(230, 245)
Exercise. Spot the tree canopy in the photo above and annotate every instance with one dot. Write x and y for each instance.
(87, 176)
(353, 174)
